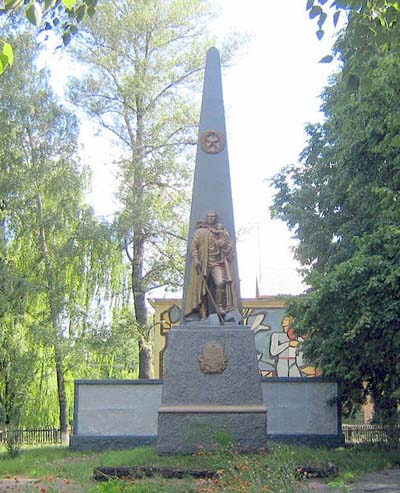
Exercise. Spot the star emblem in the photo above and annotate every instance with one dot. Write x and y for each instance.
(212, 141)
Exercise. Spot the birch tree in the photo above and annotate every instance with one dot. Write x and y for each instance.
(144, 57)
(58, 248)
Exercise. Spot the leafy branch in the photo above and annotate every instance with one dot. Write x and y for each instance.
(60, 15)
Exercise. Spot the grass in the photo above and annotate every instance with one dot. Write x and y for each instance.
(272, 470)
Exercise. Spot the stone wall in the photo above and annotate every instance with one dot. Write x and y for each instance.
(303, 410)
(115, 413)
(124, 413)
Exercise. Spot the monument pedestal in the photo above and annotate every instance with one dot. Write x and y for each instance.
(211, 390)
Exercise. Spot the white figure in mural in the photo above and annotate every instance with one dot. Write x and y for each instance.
(285, 346)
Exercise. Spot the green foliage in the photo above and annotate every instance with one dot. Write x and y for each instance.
(6, 55)
(341, 483)
(109, 350)
(56, 260)
(16, 363)
(371, 32)
(342, 201)
(223, 438)
(375, 15)
(115, 486)
(265, 471)
(157, 485)
(63, 16)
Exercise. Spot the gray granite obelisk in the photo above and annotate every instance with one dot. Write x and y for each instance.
(212, 181)
(211, 386)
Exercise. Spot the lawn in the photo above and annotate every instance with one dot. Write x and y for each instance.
(272, 470)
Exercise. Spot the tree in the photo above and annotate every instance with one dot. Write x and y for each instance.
(342, 201)
(144, 98)
(111, 351)
(40, 142)
(16, 358)
(56, 245)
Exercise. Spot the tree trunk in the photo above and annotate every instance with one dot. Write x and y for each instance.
(62, 396)
(144, 343)
(138, 287)
(145, 358)
(58, 353)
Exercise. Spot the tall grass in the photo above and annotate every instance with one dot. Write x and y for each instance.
(272, 470)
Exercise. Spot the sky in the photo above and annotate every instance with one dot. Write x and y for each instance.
(271, 91)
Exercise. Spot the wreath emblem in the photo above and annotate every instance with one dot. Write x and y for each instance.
(213, 358)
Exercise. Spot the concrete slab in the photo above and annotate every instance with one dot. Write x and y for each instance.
(386, 481)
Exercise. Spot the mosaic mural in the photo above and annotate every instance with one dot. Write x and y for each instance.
(278, 347)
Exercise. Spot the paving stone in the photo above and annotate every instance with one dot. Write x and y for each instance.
(387, 481)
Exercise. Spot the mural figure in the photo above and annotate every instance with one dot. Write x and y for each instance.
(267, 324)
(257, 320)
(285, 347)
(211, 286)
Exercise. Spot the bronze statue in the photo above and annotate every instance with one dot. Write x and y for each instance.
(211, 279)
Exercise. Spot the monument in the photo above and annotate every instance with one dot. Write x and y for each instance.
(211, 390)
(211, 386)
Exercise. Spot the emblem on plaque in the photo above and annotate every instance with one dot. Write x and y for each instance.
(213, 358)
(212, 141)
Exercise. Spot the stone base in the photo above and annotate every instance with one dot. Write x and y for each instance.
(309, 440)
(109, 442)
(211, 396)
(188, 432)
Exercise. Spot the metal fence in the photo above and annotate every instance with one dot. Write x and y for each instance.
(352, 434)
(33, 436)
(370, 434)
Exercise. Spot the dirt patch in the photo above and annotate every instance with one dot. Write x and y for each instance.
(74, 460)
(23, 485)
(140, 472)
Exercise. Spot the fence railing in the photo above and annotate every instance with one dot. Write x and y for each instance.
(33, 436)
(370, 433)
(352, 434)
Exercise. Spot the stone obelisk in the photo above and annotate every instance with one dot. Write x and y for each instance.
(211, 386)
(212, 182)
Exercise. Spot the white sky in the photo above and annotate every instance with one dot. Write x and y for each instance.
(270, 93)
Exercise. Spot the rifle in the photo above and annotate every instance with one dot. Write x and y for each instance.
(221, 318)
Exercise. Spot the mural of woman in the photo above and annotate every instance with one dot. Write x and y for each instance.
(285, 348)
